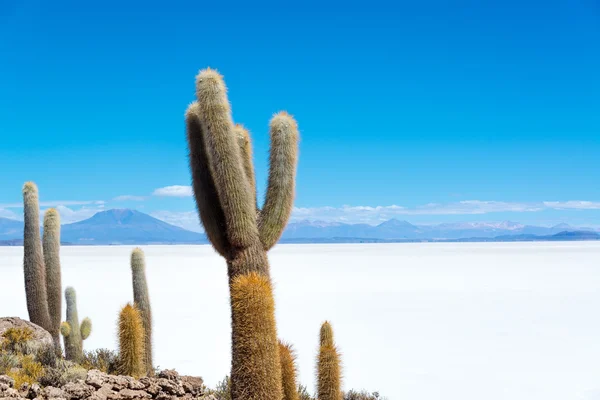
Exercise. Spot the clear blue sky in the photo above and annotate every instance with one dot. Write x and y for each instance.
(408, 104)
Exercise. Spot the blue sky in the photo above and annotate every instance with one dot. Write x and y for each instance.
(430, 111)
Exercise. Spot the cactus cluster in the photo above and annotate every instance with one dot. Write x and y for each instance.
(223, 180)
(41, 266)
(73, 333)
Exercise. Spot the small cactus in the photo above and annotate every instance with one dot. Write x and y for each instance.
(329, 374)
(131, 342)
(141, 300)
(73, 333)
(255, 364)
(51, 246)
(288, 371)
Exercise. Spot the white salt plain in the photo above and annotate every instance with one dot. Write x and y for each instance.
(516, 321)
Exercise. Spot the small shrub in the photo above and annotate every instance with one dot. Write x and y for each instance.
(363, 395)
(29, 371)
(17, 340)
(104, 360)
(223, 389)
(8, 361)
(303, 393)
(63, 373)
(46, 355)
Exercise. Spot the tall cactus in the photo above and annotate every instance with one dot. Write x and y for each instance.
(51, 246)
(329, 370)
(224, 188)
(131, 342)
(33, 260)
(288, 371)
(141, 299)
(73, 333)
(41, 265)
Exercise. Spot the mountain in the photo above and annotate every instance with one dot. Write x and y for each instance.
(305, 231)
(126, 227)
(134, 227)
(10, 229)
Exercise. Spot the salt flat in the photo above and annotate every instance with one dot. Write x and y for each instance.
(516, 321)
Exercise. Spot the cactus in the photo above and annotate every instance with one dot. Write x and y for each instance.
(141, 299)
(73, 333)
(51, 247)
(41, 265)
(225, 192)
(33, 260)
(255, 363)
(329, 378)
(131, 342)
(288, 371)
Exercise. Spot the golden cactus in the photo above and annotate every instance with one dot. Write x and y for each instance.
(131, 342)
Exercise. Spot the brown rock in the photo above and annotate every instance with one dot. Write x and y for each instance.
(7, 380)
(193, 385)
(78, 390)
(128, 394)
(170, 387)
(96, 378)
(169, 374)
(40, 336)
(150, 386)
(51, 392)
(104, 393)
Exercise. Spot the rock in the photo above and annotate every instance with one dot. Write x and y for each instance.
(96, 378)
(169, 374)
(34, 391)
(193, 385)
(150, 386)
(128, 394)
(7, 380)
(78, 390)
(170, 387)
(51, 392)
(104, 393)
(41, 337)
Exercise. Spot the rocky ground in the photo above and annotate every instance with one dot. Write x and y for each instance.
(168, 385)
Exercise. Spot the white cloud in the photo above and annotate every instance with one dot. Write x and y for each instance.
(57, 203)
(69, 215)
(4, 213)
(573, 205)
(186, 219)
(174, 191)
(129, 197)
(373, 215)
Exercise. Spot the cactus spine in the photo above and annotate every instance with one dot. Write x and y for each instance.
(288, 371)
(33, 260)
(141, 299)
(51, 246)
(131, 342)
(255, 353)
(329, 371)
(224, 188)
(73, 333)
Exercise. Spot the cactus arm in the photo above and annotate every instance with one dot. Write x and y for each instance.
(131, 342)
(73, 343)
(329, 370)
(283, 160)
(224, 159)
(288, 371)
(207, 201)
(51, 246)
(245, 143)
(86, 328)
(33, 261)
(65, 329)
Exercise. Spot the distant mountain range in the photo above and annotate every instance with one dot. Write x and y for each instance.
(112, 227)
(134, 227)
